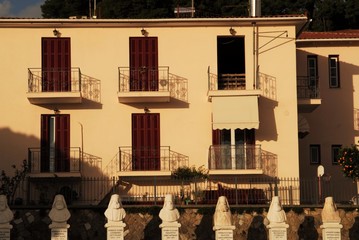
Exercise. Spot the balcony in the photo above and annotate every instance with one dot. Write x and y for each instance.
(308, 94)
(227, 85)
(52, 163)
(58, 86)
(138, 85)
(144, 161)
(235, 159)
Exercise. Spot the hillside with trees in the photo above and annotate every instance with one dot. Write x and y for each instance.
(326, 15)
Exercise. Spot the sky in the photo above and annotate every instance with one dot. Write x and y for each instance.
(21, 8)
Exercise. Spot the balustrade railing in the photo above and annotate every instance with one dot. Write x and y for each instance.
(64, 80)
(167, 159)
(308, 87)
(153, 80)
(53, 158)
(241, 190)
(145, 159)
(235, 157)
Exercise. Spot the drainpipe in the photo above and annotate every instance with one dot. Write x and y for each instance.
(255, 54)
(82, 144)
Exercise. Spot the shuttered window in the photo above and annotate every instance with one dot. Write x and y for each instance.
(143, 64)
(56, 65)
(146, 141)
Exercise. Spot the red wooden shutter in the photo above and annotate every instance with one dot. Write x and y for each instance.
(56, 64)
(62, 142)
(146, 141)
(143, 64)
(45, 144)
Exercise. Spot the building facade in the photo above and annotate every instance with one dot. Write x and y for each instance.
(139, 98)
(328, 108)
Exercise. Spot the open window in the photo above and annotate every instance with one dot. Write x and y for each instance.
(55, 143)
(231, 62)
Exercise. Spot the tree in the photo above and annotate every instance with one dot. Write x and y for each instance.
(64, 8)
(189, 174)
(348, 159)
(326, 15)
(9, 185)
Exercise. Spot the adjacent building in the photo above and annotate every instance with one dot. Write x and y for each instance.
(328, 103)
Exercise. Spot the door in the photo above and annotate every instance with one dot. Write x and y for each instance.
(231, 62)
(56, 65)
(221, 140)
(146, 141)
(143, 64)
(234, 149)
(246, 156)
(55, 143)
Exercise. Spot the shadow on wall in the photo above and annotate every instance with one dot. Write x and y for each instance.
(152, 230)
(257, 230)
(307, 229)
(13, 148)
(204, 230)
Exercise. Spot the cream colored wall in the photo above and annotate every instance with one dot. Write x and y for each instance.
(333, 121)
(187, 130)
(277, 58)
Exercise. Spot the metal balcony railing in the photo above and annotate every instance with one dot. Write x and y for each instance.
(145, 159)
(152, 80)
(71, 156)
(235, 157)
(226, 81)
(64, 80)
(308, 87)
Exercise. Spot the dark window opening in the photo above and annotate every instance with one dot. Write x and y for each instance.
(231, 63)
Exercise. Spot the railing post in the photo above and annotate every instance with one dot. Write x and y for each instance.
(80, 80)
(275, 186)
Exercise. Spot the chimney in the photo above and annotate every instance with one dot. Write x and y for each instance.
(255, 6)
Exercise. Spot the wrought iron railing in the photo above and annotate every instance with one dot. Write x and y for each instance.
(308, 87)
(145, 159)
(235, 157)
(236, 81)
(152, 80)
(71, 155)
(242, 190)
(64, 80)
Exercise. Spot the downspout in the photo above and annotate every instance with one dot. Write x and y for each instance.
(255, 55)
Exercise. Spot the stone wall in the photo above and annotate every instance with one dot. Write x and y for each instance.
(143, 223)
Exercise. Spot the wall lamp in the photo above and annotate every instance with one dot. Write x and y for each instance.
(232, 31)
(144, 32)
(56, 33)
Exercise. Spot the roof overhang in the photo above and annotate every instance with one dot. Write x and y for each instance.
(296, 20)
